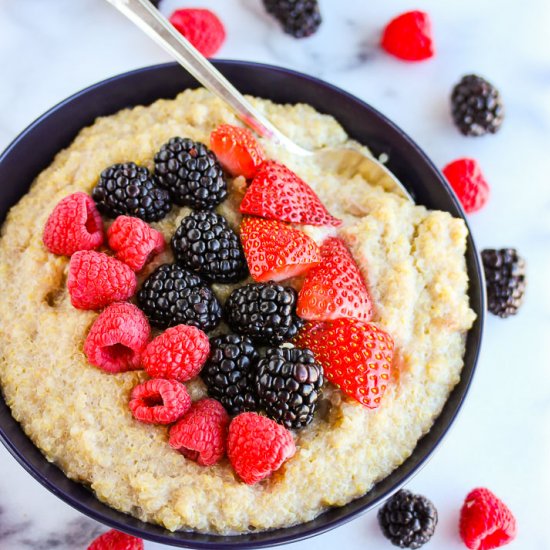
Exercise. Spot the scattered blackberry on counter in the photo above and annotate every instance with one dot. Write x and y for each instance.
(129, 189)
(229, 372)
(505, 280)
(171, 295)
(299, 18)
(266, 312)
(288, 381)
(191, 173)
(205, 244)
(155, 3)
(408, 520)
(476, 106)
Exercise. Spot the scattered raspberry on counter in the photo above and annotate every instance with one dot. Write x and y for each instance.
(409, 36)
(468, 182)
(115, 540)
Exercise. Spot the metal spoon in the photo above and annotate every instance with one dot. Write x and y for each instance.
(341, 160)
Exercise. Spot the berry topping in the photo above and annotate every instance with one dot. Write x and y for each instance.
(74, 224)
(299, 18)
(201, 434)
(178, 353)
(237, 150)
(335, 288)
(159, 401)
(409, 36)
(505, 280)
(257, 446)
(96, 280)
(276, 251)
(485, 521)
(134, 242)
(356, 357)
(266, 312)
(201, 27)
(191, 173)
(408, 520)
(465, 177)
(278, 193)
(476, 106)
(229, 372)
(204, 243)
(117, 338)
(172, 296)
(115, 540)
(129, 189)
(288, 381)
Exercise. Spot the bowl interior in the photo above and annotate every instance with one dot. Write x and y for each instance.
(36, 147)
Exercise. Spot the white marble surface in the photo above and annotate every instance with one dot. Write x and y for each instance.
(50, 49)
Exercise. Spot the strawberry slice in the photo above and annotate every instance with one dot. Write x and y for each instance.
(275, 251)
(356, 357)
(335, 288)
(278, 193)
(237, 150)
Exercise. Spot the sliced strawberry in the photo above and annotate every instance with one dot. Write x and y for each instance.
(356, 357)
(237, 150)
(335, 288)
(278, 193)
(275, 251)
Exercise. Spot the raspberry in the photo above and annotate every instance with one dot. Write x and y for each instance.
(159, 401)
(95, 280)
(409, 36)
(134, 241)
(178, 353)
(202, 28)
(117, 338)
(485, 521)
(115, 540)
(257, 446)
(465, 177)
(74, 224)
(201, 434)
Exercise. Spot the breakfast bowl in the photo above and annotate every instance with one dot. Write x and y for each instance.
(37, 146)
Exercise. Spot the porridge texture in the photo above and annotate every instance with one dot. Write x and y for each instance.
(413, 262)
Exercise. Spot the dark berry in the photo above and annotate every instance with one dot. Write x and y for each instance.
(505, 280)
(299, 18)
(171, 295)
(408, 520)
(191, 173)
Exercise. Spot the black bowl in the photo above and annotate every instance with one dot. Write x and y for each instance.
(35, 149)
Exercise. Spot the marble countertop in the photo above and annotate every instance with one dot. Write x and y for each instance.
(501, 440)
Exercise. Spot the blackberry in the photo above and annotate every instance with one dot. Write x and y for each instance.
(476, 106)
(229, 372)
(266, 312)
(299, 18)
(205, 244)
(171, 295)
(505, 280)
(129, 189)
(191, 173)
(408, 520)
(288, 381)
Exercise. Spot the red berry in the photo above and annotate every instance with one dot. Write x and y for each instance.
(409, 36)
(465, 177)
(201, 434)
(485, 521)
(115, 540)
(96, 280)
(275, 251)
(257, 446)
(117, 338)
(134, 241)
(356, 356)
(178, 353)
(159, 401)
(278, 193)
(335, 288)
(237, 150)
(201, 27)
(74, 224)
